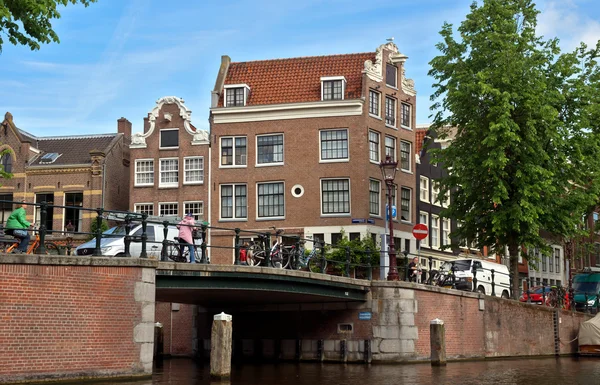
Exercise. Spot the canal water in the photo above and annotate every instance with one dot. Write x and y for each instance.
(546, 371)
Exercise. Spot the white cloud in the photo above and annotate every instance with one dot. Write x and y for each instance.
(569, 22)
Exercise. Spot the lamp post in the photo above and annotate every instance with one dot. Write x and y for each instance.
(388, 171)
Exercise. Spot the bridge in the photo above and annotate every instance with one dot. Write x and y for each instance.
(229, 285)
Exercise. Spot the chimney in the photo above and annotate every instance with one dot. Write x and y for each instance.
(124, 127)
(214, 99)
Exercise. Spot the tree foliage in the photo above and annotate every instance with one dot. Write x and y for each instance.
(362, 251)
(3, 173)
(525, 156)
(28, 22)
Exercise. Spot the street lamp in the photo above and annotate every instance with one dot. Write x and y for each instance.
(388, 171)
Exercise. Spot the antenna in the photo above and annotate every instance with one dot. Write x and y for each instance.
(390, 39)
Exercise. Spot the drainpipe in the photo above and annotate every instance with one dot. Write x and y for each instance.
(209, 242)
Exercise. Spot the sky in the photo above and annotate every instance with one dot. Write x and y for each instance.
(116, 58)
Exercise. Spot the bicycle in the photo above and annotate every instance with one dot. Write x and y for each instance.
(175, 253)
(51, 247)
(279, 254)
(312, 260)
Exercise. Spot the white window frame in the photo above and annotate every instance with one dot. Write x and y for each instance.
(410, 109)
(234, 147)
(135, 182)
(259, 218)
(160, 146)
(349, 198)
(378, 94)
(424, 241)
(385, 147)
(424, 188)
(346, 159)
(435, 242)
(409, 204)
(330, 79)
(233, 202)
(160, 204)
(446, 228)
(410, 153)
(435, 193)
(185, 171)
(395, 110)
(162, 184)
(396, 77)
(234, 86)
(137, 205)
(186, 210)
(256, 164)
(378, 160)
(378, 213)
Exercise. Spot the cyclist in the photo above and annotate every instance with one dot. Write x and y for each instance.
(17, 225)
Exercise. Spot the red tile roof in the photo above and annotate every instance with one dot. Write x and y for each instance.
(419, 138)
(297, 79)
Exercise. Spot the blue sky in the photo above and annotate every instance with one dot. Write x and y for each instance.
(117, 57)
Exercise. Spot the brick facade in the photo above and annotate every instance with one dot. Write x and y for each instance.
(301, 121)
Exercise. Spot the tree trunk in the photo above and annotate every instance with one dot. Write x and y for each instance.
(513, 251)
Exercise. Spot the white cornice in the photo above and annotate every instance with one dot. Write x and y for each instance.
(322, 109)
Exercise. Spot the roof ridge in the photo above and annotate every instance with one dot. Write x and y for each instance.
(305, 57)
(89, 136)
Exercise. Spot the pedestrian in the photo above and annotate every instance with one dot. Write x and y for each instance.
(186, 227)
(413, 269)
(17, 225)
(244, 254)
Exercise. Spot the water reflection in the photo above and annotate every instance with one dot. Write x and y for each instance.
(548, 371)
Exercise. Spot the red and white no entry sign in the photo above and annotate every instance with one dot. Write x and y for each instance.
(420, 231)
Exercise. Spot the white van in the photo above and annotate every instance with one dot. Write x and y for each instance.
(463, 271)
(113, 245)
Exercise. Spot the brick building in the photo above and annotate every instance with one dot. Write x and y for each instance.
(78, 170)
(298, 144)
(169, 163)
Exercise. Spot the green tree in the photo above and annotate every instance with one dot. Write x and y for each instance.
(526, 147)
(94, 227)
(362, 252)
(3, 173)
(28, 22)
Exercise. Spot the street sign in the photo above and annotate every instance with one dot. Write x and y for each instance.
(358, 220)
(364, 315)
(420, 231)
(371, 221)
(387, 212)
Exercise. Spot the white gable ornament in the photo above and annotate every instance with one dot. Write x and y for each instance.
(138, 140)
(375, 70)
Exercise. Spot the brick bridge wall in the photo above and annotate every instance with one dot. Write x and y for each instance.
(477, 326)
(69, 318)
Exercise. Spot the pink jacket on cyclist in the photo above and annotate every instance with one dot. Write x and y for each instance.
(185, 232)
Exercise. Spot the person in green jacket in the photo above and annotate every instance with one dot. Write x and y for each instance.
(17, 225)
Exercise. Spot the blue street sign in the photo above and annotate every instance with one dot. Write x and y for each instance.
(394, 212)
(358, 220)
(364, 315)
(371, 221)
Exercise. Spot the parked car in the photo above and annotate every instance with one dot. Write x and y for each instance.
(463, 268)
(112, 243)
(537, 294)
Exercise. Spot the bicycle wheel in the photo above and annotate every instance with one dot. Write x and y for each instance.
(255, 255)
(51, 248)
(317, 265)
(280, 259)
(174, 253)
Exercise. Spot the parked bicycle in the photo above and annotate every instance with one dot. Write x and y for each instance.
(312, 260)
(279, 255)
(51, 247)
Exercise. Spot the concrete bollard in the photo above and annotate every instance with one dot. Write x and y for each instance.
(437, 338)
(220, 346)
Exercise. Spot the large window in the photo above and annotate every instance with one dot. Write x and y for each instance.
(390, 147)
(424, 219)
(193, 170)
(333, 89)
(169, 172)
(5, 207)
(557, 260)
(435, 231)
(195, 208)
(405, 198)
(74, 215)
(405, 153)
(335, 196)
(234, 97)
(169, 138)
(269, 149)
(271, 200)
(144, 208)
(48, 198)
(374, 102)
(373, 146)
(374, 194)
(544, 263)
(144, 172)
(424, 189)
(550, 264)
(233, 148)
(334, 144)
(234, 201)
(391, 75)
(435, 193)
(170, 209)
(406, 115)
(6, 162)
(390, 111)
(446, 232)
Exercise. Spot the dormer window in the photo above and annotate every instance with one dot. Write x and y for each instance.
(391, 75)
(49, 157)
(333, 88)
(236, 95)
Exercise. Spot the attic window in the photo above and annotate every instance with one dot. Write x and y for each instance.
(49, 157)
(333, 87)
(236, 95)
